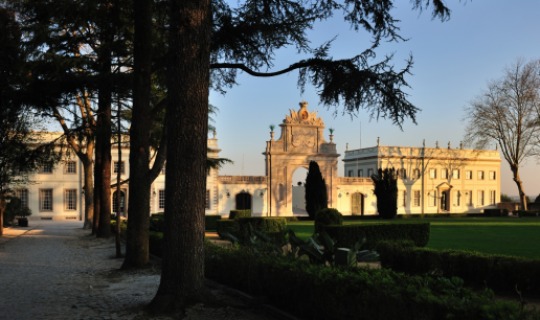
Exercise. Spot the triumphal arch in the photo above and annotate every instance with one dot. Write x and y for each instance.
(301, 141)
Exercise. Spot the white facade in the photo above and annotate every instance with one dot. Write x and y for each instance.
(431, 180)
(434, 180)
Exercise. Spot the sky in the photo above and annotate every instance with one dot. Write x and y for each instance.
(453, 63)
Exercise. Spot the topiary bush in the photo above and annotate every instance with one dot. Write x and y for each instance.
(326, 217)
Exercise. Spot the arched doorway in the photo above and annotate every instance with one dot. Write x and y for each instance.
(122, 202)
(243, 201)
(357, 203)
(299, 191)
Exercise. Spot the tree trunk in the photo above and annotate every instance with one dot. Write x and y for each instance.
(2, 211)
(182, 274)
(104, 125)
(521, 191)
(88, 188)
(137, 247)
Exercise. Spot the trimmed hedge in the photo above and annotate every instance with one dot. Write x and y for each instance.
(348, 235)
(526, 214)
(236, 214)
(227, 226)
(502, 274)
(157, 221)
(210, 221)
(239, 227)
(320, 292)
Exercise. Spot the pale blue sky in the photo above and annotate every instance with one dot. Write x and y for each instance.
(454, 60)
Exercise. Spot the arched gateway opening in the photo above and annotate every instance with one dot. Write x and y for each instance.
(301, 141)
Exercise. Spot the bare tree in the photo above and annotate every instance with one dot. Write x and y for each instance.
(506, 113)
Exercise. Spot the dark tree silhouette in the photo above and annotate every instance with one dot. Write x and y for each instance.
(386, 191)
(316, 194)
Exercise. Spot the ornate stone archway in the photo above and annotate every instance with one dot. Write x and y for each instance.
(301, 141)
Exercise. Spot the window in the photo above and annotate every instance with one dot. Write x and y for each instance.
(369, 172)
(444, 174)
(45, 199)
(22, 194)
(457, 198)
(416, 198)
(492, 197)
(70, 199)
(349, 173)
(207, 199)
(416, 173)
(115, 170)
(360, 172)
(161, 199)
(70, 167)
(404, 198)
(433, 198)
(455, 174)
(468, 194)
(46, 168)
(481, 197)
(433, 173)
(492, 175)
(480, 174)
(468, 175)
(402, 173)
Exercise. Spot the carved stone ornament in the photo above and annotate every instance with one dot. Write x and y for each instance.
(303, 116)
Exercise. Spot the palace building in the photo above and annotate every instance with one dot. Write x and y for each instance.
(430, 180)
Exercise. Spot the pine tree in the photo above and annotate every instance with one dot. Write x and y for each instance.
(385, 183)
(316, 194)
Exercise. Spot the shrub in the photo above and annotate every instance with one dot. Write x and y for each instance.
(496, 212)
(326, 217)
(227, 226)
(503, 274)
(236, 214)
(15, 209)
(320, 292)
(210, 221)
(348, 235)
(526, 214)
(157, 221)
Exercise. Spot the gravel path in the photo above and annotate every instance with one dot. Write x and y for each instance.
(56, 270)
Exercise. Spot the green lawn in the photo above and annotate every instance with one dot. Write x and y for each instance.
(508, 236)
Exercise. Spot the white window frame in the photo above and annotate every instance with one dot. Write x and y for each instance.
(416, 198)
(433, 173)
(70, 167)
(70, 199)
(46, 200)
(444, 173)
(480, 175)
(46, 168)
(161, 199)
